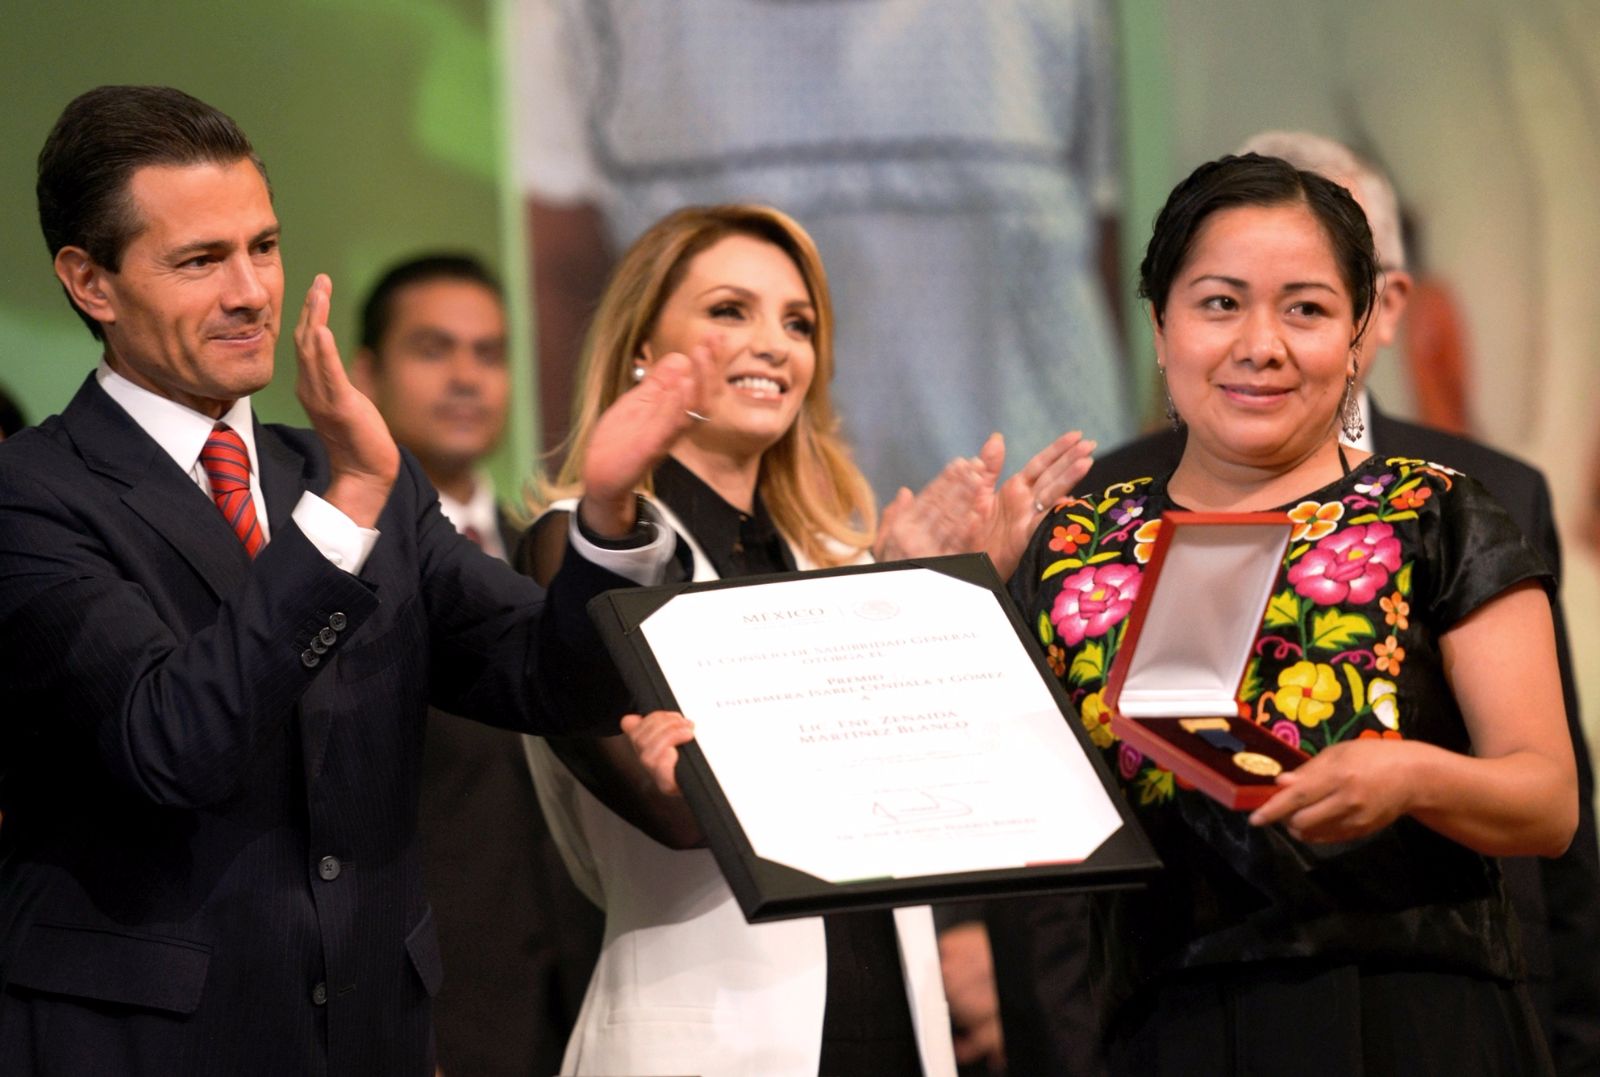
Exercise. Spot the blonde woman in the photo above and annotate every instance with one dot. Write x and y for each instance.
(760, 482)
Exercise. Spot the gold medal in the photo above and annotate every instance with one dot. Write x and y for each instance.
(1256, 763)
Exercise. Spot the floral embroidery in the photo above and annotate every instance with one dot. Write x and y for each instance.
(1412, 498)
(1129, 760)
(1312, 520)
(1145, 541)
(1334, 638)
(1131, 509)
(1373, 485)
(1348, 565)
(1068, 539)
(1396, 610)
(1097, 720)
(1389, 655)
(1381, 701)
(1306, 692)
(1287, 732)
(1093, 600)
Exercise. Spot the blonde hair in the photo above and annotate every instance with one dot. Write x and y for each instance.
(817, 496)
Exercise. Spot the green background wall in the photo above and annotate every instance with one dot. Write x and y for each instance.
(382, 127)
(379, 123)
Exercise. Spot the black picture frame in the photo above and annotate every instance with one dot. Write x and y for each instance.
(771, 891)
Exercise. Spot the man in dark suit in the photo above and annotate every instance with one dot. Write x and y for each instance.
(219, 640)
(1040, 947)
(518, 939)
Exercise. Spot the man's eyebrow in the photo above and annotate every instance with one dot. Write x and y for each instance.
(201, 246)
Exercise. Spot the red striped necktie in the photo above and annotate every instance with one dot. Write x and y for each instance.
(228, 467)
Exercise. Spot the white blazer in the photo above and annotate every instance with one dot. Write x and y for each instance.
(684, 984)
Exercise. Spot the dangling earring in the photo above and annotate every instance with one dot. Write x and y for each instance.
(1172, 409)
(638, 373)
(1350, 408)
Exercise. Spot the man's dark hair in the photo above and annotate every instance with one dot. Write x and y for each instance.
(91, 154)
(1254, 180)
(377, 314)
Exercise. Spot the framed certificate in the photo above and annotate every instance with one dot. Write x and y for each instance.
(874, 736)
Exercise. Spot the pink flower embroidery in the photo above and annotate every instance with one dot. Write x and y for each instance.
(1129, 759)
(1093, 600)
(1350, 564)
(1287, 732)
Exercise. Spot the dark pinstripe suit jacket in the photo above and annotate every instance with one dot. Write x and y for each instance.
(209, 841)
(1038, 953)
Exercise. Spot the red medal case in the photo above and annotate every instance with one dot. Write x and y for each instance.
(1201, 602)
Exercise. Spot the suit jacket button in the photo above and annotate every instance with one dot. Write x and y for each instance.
(318, 646)
(328, 636)
(319, 995)
(310, 659)
(329, 867)
(337, 621)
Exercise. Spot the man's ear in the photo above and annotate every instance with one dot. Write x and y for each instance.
(1392, 300)
(364, 372)
(90, 285)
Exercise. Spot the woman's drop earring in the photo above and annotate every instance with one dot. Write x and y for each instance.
(1350, 408)
(1172, 409)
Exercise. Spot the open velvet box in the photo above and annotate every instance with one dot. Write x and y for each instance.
(1174, 686)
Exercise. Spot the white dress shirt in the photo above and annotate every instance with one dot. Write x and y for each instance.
(182, 432)
(479, 514)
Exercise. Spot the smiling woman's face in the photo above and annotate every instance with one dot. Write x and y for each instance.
(743, 299)
(1256, 340)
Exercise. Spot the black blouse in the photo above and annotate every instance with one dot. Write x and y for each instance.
(1382, 562)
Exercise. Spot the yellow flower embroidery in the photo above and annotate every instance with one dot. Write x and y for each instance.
(1306, 691)
(1312, 521)
(1097, 720)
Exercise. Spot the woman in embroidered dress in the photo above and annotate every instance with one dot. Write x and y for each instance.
(1355, 923)
(763, 484)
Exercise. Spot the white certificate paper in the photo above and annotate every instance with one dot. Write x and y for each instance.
(884, 724)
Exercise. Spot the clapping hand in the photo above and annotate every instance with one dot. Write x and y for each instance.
(966, 507)
(636, 433)
(362, 457)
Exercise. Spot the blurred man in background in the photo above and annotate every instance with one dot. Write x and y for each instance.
(518, 940)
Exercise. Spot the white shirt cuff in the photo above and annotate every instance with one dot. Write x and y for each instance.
(645, 565)
(340, 539)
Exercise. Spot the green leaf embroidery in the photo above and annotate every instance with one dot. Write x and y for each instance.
(1047, 631)
(1358, 691)
(1409, 514)
(1155, 784)
(1088, 665)
(1402, 580)
(1061, 566)
(1335, 630)
(1283, 610)
(1251, 689)
(1364, 518)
